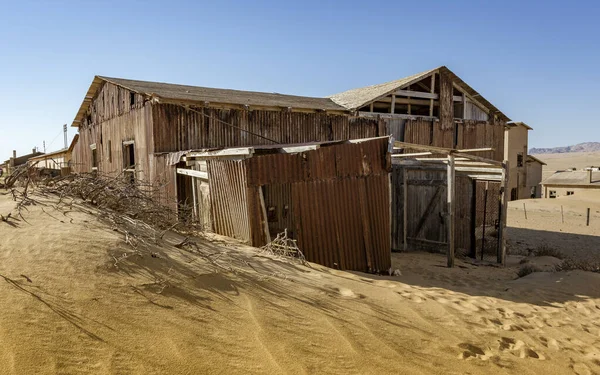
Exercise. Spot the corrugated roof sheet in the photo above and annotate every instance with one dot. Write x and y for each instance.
(225, 96)
(581, 178)
(199, 94)
(346, 101)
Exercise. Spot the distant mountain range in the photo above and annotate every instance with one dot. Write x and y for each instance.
(581, 147)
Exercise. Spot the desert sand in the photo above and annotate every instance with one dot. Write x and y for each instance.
(76, 299)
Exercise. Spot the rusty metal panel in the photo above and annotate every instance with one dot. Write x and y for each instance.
(336, 230)
(228, 198)
(329, 161)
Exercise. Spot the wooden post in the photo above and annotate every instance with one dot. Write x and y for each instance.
(405, 207)
(450, 216)
(525, 210)
(485, 196)
(371, 107)
(503, 208)
(265, 220)
(393, 106)
(432, 91)
(194, 200)
(562, 215)
(588, 218)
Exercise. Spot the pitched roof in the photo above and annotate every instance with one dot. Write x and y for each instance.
(199, 94)
(575, 178)
(359, 97)
(519, 123)
(533, 158)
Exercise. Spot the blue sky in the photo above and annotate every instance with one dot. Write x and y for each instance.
(536, 61)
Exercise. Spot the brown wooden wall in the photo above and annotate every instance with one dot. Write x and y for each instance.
(462, 135)
(176, 128)
(423, 193)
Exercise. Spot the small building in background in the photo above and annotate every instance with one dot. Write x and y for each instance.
(571, 182)
(57, 162)
(533, 173)
(16, 161)
(525, 172)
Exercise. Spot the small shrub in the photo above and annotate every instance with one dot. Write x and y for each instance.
(582, 265)
(524, 260)
(547, 251)
(527, 269)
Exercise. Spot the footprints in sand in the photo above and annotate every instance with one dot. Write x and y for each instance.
(518, 348)
(505, 345)
(472, 351)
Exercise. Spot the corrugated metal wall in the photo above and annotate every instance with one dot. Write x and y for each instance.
(338, 196)
(344, 223)
(228, 197)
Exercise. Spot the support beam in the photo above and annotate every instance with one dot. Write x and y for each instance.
(433, 93)
(503, 207)
(411, 155)
(393, 106)
(195, 201)
(417, 94)
(193, 173)
(478, 158)
(241, 152)
(450, 216)
(405, 208)
(464, 103)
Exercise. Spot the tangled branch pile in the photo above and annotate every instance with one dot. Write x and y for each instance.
(121, 199)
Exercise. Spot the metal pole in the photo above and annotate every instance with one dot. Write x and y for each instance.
(588, 217)
(65, 131)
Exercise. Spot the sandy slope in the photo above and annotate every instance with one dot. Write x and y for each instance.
(545, 224)
(177, 312)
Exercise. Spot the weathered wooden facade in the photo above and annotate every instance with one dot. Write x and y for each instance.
(136, 127)
(333, 198)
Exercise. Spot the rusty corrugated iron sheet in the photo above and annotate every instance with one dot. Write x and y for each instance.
(333, 200)
(330, 161)
(228, 197)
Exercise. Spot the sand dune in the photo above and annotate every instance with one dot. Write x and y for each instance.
(67, 308)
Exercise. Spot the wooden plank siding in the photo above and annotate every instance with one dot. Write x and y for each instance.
(177, 128)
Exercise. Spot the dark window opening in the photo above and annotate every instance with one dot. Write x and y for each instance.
(129, 156)
(131, 98)
(94, 158)
(552, 194)
(109, 149)
(272, 214)
(570, 192)
(519, 160)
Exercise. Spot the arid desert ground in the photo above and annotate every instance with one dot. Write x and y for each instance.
(77, 299)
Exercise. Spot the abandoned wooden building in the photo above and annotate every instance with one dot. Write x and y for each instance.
(139, 128)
